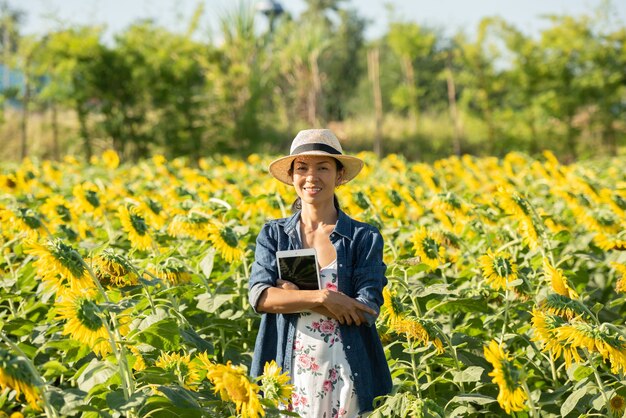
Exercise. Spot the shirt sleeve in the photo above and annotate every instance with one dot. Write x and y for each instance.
(369, 273)
(264, 271)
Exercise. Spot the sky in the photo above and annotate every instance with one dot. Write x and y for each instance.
(450, 15)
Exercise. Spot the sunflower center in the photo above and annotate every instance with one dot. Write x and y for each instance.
(92, 197)
(69, 258)
(64, 213)
(359, 199)
(29, 218)
(431, 248)
(395, 198)
(138, 223)
(502, 266)
(87, 314)
(229, 237)
(154, 206)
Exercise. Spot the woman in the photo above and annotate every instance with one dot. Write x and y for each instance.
(326, 339)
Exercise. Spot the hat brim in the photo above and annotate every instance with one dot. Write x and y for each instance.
(279, 168)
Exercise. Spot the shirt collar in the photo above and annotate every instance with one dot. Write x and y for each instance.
(343, 226)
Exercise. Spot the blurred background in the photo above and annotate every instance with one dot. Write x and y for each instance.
(424, 79)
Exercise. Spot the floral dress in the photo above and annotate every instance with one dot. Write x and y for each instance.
(323, 382)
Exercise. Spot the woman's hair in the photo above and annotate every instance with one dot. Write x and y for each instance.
(297, 204)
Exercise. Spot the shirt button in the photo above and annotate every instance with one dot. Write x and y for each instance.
(340, 265)
(348, 347)
(356, 375)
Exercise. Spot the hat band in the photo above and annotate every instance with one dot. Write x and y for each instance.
(315, 147)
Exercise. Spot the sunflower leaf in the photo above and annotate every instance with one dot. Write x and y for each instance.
(572, 400)
(163, 335)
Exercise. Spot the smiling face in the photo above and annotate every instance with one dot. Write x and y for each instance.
(315, 178)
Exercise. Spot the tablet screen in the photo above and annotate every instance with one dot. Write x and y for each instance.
(301, 270)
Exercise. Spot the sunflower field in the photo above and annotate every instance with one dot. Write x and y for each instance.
(124, 288)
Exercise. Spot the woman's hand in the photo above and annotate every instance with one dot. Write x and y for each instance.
(284, 284)
(344, 308)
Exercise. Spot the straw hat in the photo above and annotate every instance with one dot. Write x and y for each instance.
(315, 142)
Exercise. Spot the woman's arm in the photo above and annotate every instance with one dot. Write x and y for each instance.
(333, 304)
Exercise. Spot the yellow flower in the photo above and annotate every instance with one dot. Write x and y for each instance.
(226, 242)
(22, 220)
(564, 307)
(171, 271)
(88, 199)
(183, 368)
(58, 262)
(545, 326)
(608, 242)
(195, 224)
(16, 415)
(421, 330)
(110, 159)
(428, 247)
(135, 225)
(14, 375)
(138, 364)
(558, 280)
(620, 286)
(233, 384)
(499, 269)
(392, 307)
(509, 379)
(84, 319)
(112, 269)
(275, 386)
(617, 406)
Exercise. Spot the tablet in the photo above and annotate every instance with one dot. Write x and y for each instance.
(299, 267)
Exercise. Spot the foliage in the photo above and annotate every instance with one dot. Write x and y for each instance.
(124, 287)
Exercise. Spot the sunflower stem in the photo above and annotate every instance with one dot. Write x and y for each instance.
(48, 408)
(120, 353)
(506, 314)
(531, 403)
(454, 353)
(414, 368)
(598, 379)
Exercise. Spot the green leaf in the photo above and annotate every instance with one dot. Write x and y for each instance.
(207, 262)
(572, 400)
(96, 372)
(180, 397)
(471, 374)
(463, 305)
(582, 372)
(477, 399)
(210, 303)
(163, 335)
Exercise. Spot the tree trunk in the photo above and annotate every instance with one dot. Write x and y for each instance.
(409, 74)
(55, 133)
(84, 132)
(454, 113)
(24, 124)
(373, 67)
(316, 94)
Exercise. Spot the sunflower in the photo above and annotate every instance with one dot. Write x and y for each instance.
(110, 159)
(558, 280)
(508, 378)
(113, 269)
(135, 225)
(138, 364)
(611, 346)
(274, 385)
(171, 271)
(194, 224)
(88, 199)
(226, 242)
(23, 220)
(14, 375)
(392, 307)
(564, 307)
(429, 248)
(233, 384)
(620, 286)
(58, 262)
(610, 242)
(84, 319)
(545, 327)
(617, 406)
(421, 330)
(183, 368)
(499, 269)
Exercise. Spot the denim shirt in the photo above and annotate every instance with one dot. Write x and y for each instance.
(361, 273)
